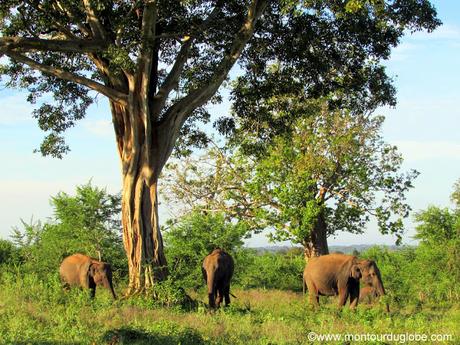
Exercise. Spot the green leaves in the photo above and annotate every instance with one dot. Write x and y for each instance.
(299, 49)
(193, 237)
(87, 222)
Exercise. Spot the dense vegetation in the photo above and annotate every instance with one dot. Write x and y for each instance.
(421, 282)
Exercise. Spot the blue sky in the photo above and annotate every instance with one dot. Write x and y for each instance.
(424, 125)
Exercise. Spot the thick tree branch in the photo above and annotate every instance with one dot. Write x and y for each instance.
(172, 79)
(65, 46)
(114, 95)
(67, 10)
(96, 27)
(149, 20)
(179, 112)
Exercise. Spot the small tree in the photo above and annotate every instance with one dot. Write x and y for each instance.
(438, 230)
(9, 253)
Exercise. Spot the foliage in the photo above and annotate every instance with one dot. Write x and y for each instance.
(269, 270)
(430, 272)
(192, 238)
(62, 50)
(87, 222)
(332, 170)
(9, 253)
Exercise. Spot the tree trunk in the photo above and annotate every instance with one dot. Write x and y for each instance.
(141, 236)
(316, 244)
(140, 151)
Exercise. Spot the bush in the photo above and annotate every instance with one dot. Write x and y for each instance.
(9, 253)
(416, 275)
(195, 236)
(86, 223)
(269, 270)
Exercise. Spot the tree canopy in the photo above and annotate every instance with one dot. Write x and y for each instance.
(60, 50)
(331, 173)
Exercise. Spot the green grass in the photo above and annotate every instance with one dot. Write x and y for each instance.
(37, 312)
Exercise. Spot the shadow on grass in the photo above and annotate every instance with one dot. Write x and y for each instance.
(138, 337)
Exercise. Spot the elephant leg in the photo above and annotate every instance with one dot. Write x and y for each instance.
(92, 287)
(313, 294)
(354, 296)
(212, 300)
(227, 294)
(343, 296)
(220, 294)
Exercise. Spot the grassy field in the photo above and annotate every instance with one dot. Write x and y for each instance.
(37, 312)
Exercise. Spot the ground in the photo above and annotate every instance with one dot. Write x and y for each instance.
(35, 312)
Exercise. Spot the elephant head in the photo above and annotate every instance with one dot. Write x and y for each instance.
(371, 277)
(101, 274)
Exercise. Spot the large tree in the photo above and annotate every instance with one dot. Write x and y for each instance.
(331, 172)
(160, 61)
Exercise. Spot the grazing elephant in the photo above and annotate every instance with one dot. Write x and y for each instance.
(81, 270)
(332, 275)
(372, 280)
(217, 272)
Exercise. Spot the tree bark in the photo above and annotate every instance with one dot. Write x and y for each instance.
(139, 150)
(316, 243)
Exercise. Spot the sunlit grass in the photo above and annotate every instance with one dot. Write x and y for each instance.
(39, 312)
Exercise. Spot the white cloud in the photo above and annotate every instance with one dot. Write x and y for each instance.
(426, 150)
(15, 110)
(412, 42)
(402, 51)
(444, 32)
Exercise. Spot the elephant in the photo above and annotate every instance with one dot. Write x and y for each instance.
(217, 271)
(332, 275)
(86, 272)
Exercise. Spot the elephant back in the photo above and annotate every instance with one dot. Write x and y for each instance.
(72, 267)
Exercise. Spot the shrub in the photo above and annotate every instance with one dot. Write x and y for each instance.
(194, 237)
(87, 223)
(269, 270)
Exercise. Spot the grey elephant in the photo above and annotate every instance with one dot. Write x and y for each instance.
(217, 271)
(332, 275)
(86, 272)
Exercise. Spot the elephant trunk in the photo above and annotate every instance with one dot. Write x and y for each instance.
(381, 290)
(377, 283)
(113, 292)
(108, 285)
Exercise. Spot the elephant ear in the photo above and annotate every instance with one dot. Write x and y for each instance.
(85, 272)
(355, 272)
